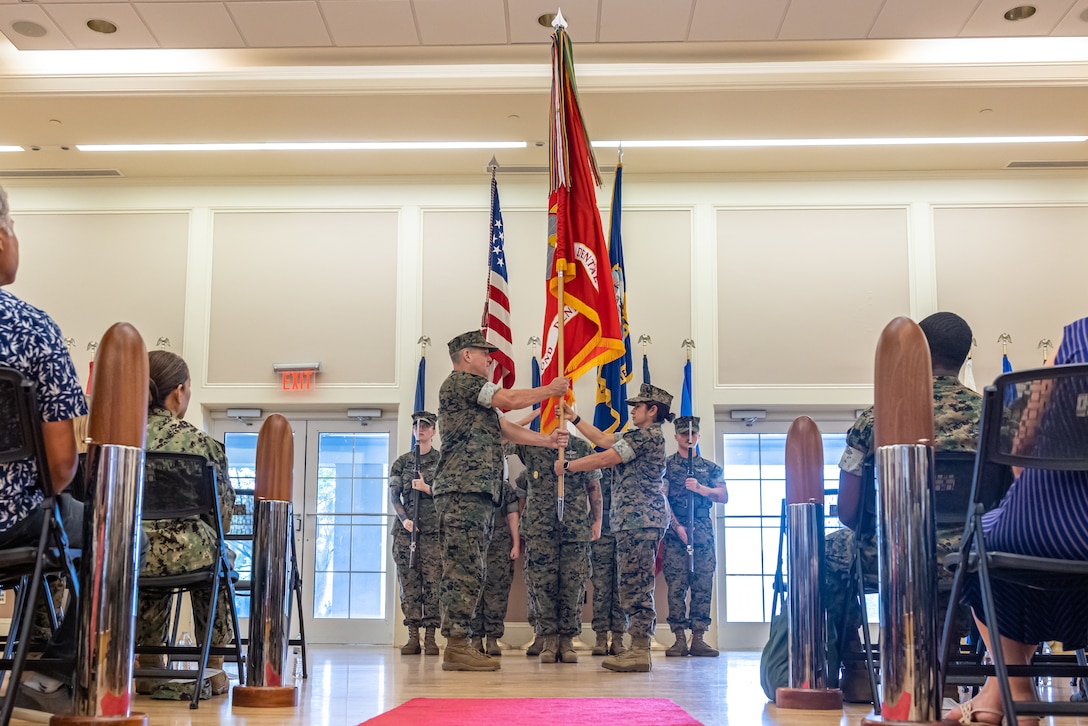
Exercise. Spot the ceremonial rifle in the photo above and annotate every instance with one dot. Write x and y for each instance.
(691, 504)
(413, 560)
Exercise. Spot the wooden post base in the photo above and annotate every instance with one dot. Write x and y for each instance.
(809, 699)
(874, 720)
(264, 697)
(135, 719)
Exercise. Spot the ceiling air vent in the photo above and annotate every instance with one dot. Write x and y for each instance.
(1067, 164)
(58, 173)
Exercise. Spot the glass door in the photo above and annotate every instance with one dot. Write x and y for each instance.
(341, 531)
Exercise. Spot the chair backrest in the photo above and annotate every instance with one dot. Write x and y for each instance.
(20, 425)
(1038, 418)
(178, 485)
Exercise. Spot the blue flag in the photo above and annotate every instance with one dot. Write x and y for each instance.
(421, 396)
(685, 398)
(1009, 394)
(610, 413)
(535, 425)
(645, 369)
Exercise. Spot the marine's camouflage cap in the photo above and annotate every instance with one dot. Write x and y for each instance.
(426, 417)
(471, 339)
(651, 394)
(682, 423)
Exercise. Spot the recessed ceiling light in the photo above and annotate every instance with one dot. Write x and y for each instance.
(28, 28)
(101, 26)
(893, 141)
(312, 146)
(1020, 12)
(546, 19)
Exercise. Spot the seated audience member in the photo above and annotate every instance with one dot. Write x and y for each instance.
(956, 411)
(31, 343)
(176, 546)
(1043, 514)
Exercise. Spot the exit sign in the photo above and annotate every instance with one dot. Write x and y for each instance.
(297, 380)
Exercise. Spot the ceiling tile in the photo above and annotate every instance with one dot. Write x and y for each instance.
(52, 40)
(1075, 22)
(822, 20)
(461, 22)
(72, 19)
(190, 25)
(581, 16)
(280, 24)
(737, 19)
(625, 21)
(921, 19)
(988, 20)
(370, 22)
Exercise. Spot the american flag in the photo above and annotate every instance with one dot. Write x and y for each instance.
(496, 321)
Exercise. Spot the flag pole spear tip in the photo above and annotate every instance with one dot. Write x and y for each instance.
(493, 165)
(559, 21)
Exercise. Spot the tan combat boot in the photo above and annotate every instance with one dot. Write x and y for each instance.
(635, 659)
(430, 647)
(601, 646)
(477, 642)
(535, 646)
(680, 647)
(220, 682)
(460, 656)
(566, 651)
(412, 646)
(493, 648)
(617, 644)
(699, 646)
(549, 650)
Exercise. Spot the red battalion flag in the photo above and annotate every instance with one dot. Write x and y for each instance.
(578, 262)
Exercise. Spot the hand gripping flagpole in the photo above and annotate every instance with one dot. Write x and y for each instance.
(117, 429)
(269, 684)
(906, 528)
(805, 530)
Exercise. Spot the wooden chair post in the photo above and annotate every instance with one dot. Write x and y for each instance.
(118, 431)
(269, 685)
(805, 533)
(906, 534)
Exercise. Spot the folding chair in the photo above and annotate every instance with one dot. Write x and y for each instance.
(25, 568)
(178, 486)
(953, 475)
(241, 529)
(1038, 419)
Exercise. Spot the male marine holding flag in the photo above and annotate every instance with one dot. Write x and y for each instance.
(468, 483)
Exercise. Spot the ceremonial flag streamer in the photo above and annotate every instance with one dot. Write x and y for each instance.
(610, 414)
(577, 272)
(686, 398)
(421, 390)
(535, 425)
(645, 368)
(496, 319)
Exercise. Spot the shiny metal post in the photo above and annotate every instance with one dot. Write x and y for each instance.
(110, 568)
(805, 535)
(269, 684)
(906, 546)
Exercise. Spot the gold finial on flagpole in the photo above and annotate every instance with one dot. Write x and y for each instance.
(1046, 345)
(424, 341)
(69, 343)
(163, 343)
(644, 340)
(1005, 339)
(688, 345)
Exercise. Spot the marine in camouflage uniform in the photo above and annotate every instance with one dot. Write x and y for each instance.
(956, 410)
(502, 549)
(708, 487)
(557, 552)
(607, 614)
(468, 484)
(639, 514)
(419, 584)
(177, 546)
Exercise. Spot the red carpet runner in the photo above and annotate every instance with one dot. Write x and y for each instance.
(568, 711)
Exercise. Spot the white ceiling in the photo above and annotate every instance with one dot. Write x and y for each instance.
(418, 70)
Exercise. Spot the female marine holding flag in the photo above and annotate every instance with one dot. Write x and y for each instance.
(640, 512)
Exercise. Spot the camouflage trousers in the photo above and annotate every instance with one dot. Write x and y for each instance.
(165, 557)
(464, 530)
(607, 614)
(490, 613)
(418, 585)
(839, 591)
(558, 572)
(636, 550)
(680, 579)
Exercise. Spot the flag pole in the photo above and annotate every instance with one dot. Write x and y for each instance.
(559, 492)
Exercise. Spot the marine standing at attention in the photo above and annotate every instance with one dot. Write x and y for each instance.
(469, 481)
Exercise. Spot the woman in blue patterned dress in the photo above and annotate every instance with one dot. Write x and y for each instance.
(1044, 514)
